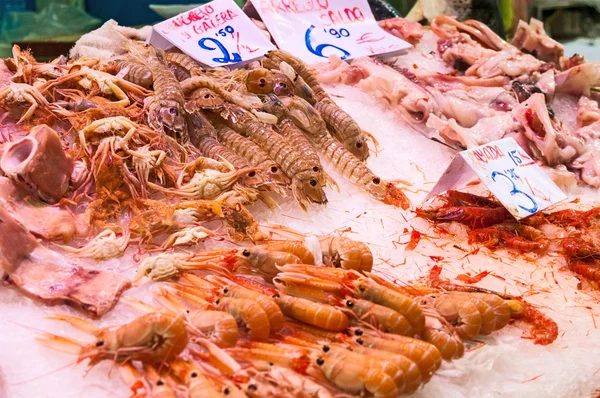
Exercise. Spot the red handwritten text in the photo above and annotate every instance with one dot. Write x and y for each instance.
(488, 153)
(293, 6)
(345, 16)
(216, 21)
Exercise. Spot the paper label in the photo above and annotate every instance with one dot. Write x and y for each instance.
(315, 29)
(508, 172)
(215, 34)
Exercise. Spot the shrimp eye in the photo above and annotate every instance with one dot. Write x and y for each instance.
(172, 111)
(226, 290)
(276, 295)
(358, 332)
(313, 183)
(252, 174)
(359, 144)
(226, 391)
(99, 343)
(206, 96)
(274, 169)
(262, 82)
(360, 341)
(376, 180)
(194, 374)
(349, 303)
(217, 301)
(320, 361)
(160, 383)
(252, 387)
(187, 311)
(246, 253)
(361, 288)
(325, 348)
(316, 169)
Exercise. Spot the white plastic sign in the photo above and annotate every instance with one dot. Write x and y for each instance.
(508, 172)
(315, 29)
(215, 34)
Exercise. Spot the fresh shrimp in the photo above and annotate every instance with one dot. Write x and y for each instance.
(425, 355)
(228, 288)
(346, 253)
(497, 305)
(248, 313)
(315, 93)
(463, 314)
(232, 96)
(210, 147)
(344, 129)
(357, 172)
(309, 287)
(288, 129)
(264, 261)
(577, 247)
(134, 72)
(265, 81)
(440, 333)
(252, 153)
(305, 184)
(154, 337)
(166, 108)
(458, 198)
(202, 99)
(198, 383)
(376, 293)
(321, 315)
(289, 246)
(185, 62)
(160, 386)
(544, 330)
(357, 373)
(409, 373)
(382, 318)
(588, 271)
(488, 317)
(474, 217)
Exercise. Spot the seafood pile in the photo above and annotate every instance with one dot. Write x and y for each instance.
(570, 233)
(312, 331)
(463, 85)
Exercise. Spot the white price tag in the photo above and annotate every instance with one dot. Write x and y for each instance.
(216, 34)
(508, 172)
(315, 29)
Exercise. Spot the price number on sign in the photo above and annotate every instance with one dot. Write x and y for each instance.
(318, 50)
(510, 176)
(210, 44)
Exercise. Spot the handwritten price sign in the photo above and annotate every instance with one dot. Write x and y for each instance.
(216, 34)
(508, 172)
(315, 29)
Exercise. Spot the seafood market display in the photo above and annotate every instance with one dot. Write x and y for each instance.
(138, 181)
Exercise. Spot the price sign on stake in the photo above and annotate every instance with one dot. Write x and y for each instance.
(216, 34)
(508, 172)
(315, 29)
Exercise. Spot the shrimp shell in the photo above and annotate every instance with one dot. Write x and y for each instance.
(134, 72)
(409, 371)
(296, 138)
(425, 355)
(344, 128)
(249, 313)
(296, 248)
(463, 314)
(496, 303)
(230, 289)
(220, 327)
(406, 306)
(346, 253)
(252, 153)
(441, 334)
(303, 70)
(305, 185)
(356, 373)
(185, 62)
(383, 318)
(204, 98)
(265, 261)
(321, 315)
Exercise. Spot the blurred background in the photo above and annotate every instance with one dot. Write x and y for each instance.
(50, 27)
